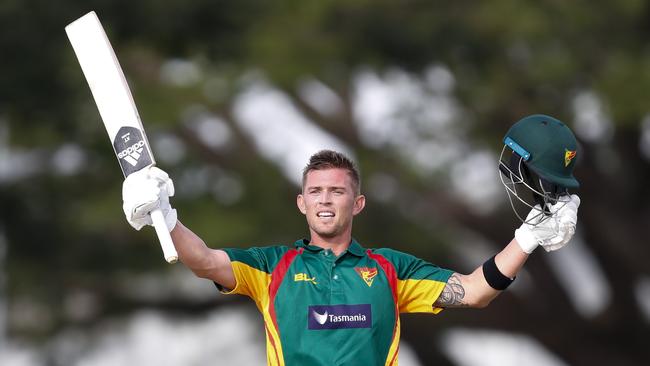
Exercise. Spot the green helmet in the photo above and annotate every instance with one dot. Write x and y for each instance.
(547, 146)
(536, 164)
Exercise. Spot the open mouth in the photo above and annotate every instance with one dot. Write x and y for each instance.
(325, 214)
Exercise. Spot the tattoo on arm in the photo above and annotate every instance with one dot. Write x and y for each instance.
(453, 294)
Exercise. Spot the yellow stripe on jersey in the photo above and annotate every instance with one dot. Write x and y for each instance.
(274, 355)
(255, 284)
(418, 296)
(391, 359)
(250, 282)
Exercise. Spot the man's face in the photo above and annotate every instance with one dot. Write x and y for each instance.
(329, 202)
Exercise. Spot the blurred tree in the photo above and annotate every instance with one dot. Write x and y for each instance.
(507, 59)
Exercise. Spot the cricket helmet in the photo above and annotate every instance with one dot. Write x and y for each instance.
(537, 162)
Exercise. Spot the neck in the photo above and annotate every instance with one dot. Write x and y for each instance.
(337, 244)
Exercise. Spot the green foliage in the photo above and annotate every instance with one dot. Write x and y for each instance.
(508, 59)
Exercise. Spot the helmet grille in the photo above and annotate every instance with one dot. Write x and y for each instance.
(530, 190)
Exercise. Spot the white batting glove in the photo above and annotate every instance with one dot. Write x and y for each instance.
(145, 191)
(552, 233)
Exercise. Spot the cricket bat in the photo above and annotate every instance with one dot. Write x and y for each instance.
(116, 107)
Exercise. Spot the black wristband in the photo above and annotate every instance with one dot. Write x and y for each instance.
(494, 277)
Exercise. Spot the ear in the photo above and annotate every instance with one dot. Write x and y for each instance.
(359, 204)
(300, 201)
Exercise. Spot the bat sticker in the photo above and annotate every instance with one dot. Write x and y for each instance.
(131, 150)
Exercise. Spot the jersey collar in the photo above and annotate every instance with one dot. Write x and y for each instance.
(355, 248)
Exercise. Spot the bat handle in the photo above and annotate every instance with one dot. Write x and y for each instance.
(169, 251)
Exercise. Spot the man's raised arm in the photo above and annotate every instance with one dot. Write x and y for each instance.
(151, 188)
(473, 290)
(486, 282)
(213, 264)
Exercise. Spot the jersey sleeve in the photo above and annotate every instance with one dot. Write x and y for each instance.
(419, 283)
(252, 269)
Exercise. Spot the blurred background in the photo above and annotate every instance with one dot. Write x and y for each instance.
(235, 96)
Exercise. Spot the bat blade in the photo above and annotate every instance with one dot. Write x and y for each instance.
(111, 93)
(116, 107)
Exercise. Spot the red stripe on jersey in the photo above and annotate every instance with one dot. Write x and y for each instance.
(391, 275)
(389, 269)
(275, 349)
(277, 276)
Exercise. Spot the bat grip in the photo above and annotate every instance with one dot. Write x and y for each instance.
(169, 251)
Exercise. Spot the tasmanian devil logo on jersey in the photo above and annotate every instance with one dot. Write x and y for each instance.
(367, 274)
(131, 150)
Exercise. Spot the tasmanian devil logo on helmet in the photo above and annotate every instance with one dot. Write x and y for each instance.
(568, 156)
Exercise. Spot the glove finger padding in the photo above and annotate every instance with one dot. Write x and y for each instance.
(567, 217)
(147, 201)
(551, 232)
(164, 182)
(561, 239)
(568, 214)
(166, 186)
(139, 196)
(145, 191)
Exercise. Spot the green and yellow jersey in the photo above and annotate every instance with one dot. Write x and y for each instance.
(320, 309)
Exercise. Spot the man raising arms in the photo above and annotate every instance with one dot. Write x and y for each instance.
(328, 300)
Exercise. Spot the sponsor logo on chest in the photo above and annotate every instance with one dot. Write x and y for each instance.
(339, 316)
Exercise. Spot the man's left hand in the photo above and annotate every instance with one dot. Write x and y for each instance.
(554, 232)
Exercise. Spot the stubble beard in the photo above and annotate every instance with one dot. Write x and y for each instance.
(325, 232)
(328, 232)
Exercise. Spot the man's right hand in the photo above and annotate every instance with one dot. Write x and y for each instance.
(143, 192)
